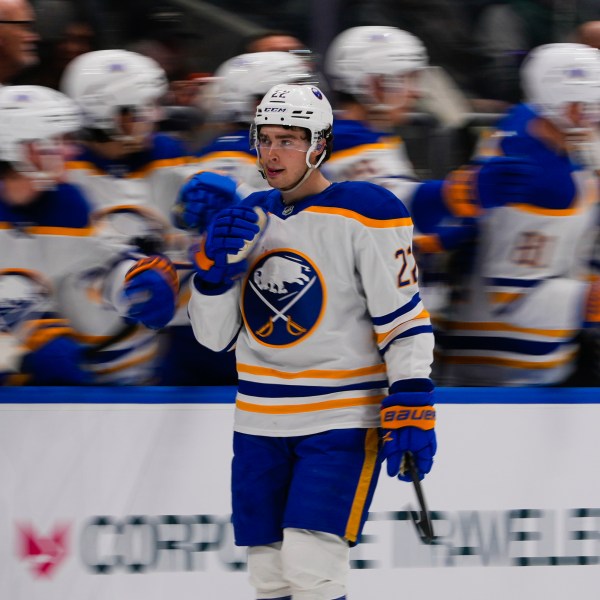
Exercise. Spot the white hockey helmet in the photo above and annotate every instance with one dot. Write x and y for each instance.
(104, 82)
(240, 82)
(554, 75)
(32, 113)
(358, 54)
(294, 105)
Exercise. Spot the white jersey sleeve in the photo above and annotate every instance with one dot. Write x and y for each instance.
(216, 319)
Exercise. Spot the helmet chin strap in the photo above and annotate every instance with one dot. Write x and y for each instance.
(300, 181)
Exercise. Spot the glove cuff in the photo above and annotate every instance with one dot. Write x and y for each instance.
(460, 192)
(207, 288)
(199, 258)
(408, 399)
(159, 264)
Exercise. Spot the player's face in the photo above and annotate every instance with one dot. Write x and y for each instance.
(282, 155)
(399, 94)
(137, 126)
(49, 156)
(18, 48)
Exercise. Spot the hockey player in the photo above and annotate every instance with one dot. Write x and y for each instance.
(316, 285)
(121, 324)
(532, 197)
(123, 159)
(375, 72)
(45, 235)
(238, 85)
(125, 163)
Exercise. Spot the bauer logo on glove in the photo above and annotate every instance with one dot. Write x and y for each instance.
(393, 417)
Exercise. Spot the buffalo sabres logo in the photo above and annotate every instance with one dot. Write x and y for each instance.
(284, 297)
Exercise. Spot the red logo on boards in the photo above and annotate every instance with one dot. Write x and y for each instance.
(44, 553)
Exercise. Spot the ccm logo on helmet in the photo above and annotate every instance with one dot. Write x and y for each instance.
(274, 109)
(394, 417)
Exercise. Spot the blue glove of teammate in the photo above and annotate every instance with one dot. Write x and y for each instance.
(201, 197)
(506, 180)
(55, 357)
(217, 258)
(407, 422)
(151, 286)
(486, 183)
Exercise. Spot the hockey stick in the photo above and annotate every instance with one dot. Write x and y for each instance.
(424, 524)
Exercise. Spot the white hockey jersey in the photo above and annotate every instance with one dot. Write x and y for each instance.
(328, 314)
(231, 154)
(361, 154)
(520, 307)
(54, 239)
(152, 178)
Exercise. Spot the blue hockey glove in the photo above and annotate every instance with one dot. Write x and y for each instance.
(201, 197)
(55, 357)
(490, 182)
(220, 257)
(506, 180)
(407, 423)
(151, 286)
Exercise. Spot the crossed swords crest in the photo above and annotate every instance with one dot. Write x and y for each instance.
(291, 326)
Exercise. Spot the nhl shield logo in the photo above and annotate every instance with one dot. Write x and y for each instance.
(284, 298)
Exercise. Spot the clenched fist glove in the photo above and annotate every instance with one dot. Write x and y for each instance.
(506, 180)
(220, 258)
(407, 424)
(491, 182)
(151, 287)
(55, 358)
(201, 197)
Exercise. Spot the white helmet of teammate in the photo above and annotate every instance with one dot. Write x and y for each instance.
(293, 105)
(240, 82)
(38, 116)
(359, 54)
(105, 82)
(555, 75)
